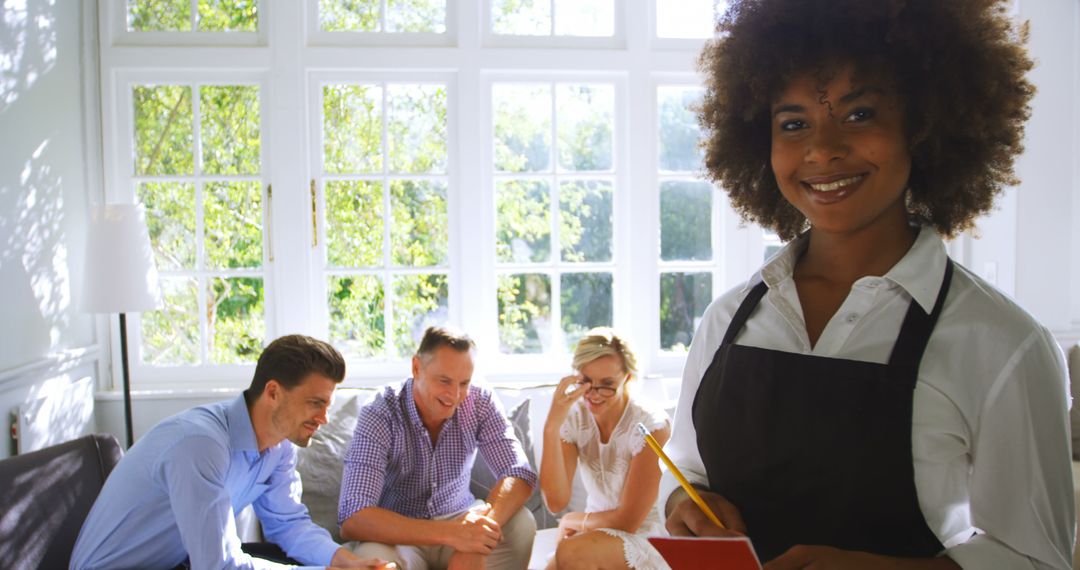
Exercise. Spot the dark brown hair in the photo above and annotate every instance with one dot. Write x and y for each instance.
(434, 337)
(292, 358)
(957, 66)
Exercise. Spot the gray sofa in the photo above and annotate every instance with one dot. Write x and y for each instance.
(44, 497)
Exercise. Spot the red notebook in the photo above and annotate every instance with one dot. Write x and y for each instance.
(693, 553)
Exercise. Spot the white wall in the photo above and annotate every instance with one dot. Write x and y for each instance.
(45, 343)
(1032, 242)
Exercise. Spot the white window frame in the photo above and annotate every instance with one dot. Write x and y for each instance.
(319, 37)
(290, 62)
(119, 34)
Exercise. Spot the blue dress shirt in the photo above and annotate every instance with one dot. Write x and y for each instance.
(175, 494)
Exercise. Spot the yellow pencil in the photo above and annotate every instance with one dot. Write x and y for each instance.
(678, 475)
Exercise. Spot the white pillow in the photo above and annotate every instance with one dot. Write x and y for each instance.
(320, 463)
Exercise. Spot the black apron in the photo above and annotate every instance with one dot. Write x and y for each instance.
(816, 450)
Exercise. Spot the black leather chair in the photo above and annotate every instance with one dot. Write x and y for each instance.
(45, 496)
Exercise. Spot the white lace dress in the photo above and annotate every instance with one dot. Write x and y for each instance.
(604, 466)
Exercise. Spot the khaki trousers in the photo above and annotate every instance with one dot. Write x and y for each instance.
(512, 553)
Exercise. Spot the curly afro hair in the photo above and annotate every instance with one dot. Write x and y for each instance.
(957, 66)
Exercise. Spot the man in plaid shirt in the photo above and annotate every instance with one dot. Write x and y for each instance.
(405, 488)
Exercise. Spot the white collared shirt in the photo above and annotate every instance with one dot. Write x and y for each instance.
(990, 426)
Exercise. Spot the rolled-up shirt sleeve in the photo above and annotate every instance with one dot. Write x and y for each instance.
(498, 444)
(285, 520)
(365, 462)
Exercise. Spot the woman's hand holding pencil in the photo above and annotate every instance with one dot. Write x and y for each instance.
(696, 513)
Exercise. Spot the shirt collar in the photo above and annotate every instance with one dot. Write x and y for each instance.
(410, 403)
(922, 268)
(241, 432)
(919, 272)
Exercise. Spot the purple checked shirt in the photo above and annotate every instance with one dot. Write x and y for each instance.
(392, 464)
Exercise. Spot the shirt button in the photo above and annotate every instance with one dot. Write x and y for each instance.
(851, 318)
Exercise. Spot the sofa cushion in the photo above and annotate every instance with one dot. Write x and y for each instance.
(320, 464)
(1073, 363)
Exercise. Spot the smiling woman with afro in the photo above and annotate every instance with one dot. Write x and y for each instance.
(862, 401)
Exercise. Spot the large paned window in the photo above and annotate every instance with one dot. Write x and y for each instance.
(359, 170)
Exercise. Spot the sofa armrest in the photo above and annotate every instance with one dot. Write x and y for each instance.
(45, 496)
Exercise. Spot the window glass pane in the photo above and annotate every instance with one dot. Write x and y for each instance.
(585, 220)
(229, 127)
(679, 131)
(524, 313)
(418, 236)
(416, 16)
(349, 15)
(522, 127)
(685, 220)
(159, 15)
(585, 17)
(687, 18)
(233, 224)
(236, 326)
(352, 128)
(416, 128)
(170, 335)
(163, 130)
(356, 315)
(228, 15)
(354, 223)
(585, 123)
(585, 303)
(683, 298)
(521, 17)
(420, 301)
(523, 221)
(170, 219)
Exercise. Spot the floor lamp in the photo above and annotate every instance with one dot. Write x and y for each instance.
(120, 276)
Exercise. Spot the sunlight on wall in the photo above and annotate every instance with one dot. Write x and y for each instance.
(27, 47)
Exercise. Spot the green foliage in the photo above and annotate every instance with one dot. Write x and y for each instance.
(419, 232)
(164, 143)
(357, 320)
(586, 118)
(419, 302)
(585, 303)
(521, 17)
(686, 220)
(349, 15)
(228, 15)
(522, 127)
(585, 220)
(170, 219)
(159, 15)
(679, 131)
(416, 128)
(416, 16)
(170, 335)
(352, 128)
(683, 299)
(354, 223)
(232, 221)
(229, 128)
(524, 312)
(523, 221)
(235, 319)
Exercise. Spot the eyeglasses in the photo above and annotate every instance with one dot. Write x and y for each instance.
(602, 391)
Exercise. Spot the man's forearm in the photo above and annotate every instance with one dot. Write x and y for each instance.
(375, 524)
(507, 497)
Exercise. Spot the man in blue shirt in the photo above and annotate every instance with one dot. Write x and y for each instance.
(172, 499)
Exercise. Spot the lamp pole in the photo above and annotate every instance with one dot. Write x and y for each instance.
(127, 381)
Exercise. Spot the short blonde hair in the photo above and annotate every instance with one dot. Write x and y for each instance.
(600, 342)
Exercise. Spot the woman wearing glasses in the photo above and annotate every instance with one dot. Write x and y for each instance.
(591, 423)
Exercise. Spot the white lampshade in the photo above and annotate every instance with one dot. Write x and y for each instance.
(120, 274)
